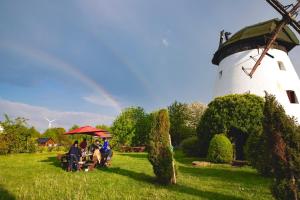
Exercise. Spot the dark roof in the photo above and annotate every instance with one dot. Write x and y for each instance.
(256, 35)
(43, 140)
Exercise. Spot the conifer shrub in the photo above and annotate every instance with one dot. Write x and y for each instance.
(190, 146)
(257, 155)
(160, 150)
(282, 135)
(220, 149)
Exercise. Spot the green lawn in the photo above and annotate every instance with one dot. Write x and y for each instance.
(39, 176)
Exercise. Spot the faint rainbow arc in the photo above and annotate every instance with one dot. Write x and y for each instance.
(68, 68)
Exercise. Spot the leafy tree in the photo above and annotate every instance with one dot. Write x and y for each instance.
(238, 115)
(57, 134)
(283, 145)
(131, 127)
(16, 136)
(34, 133)
(195, 112)
(160, 149)
(75, 126)
(179, 130)
(184, 119)
(104, 127)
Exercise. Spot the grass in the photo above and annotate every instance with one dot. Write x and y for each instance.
(39, 176)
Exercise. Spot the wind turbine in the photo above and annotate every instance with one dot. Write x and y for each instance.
(50, 122)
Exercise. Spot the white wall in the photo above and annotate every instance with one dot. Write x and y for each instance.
(268, 77)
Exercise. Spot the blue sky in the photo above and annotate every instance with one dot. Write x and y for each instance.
(81, 62)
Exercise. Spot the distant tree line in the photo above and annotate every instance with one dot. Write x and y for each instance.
(133, 125)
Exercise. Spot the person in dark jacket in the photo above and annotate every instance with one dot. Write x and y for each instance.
(74, 154)
(106, 153)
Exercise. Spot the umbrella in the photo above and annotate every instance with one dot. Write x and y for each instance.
(88, 130)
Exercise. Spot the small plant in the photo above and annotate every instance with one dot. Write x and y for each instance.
(160, 149)
(220, 149)
(190, 146)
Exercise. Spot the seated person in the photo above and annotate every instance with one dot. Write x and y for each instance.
(92, 146)
(74, 156)
(96, 158)
(83, 144)
(106, 152)
(83, 155)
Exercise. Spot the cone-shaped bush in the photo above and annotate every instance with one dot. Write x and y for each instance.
(160, 149)
(283, 144)
(220, 149)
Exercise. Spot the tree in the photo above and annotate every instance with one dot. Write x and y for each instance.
(283, 145)
(57, 134)
(34, 133)
(16, 135)
(179, 130)
(131, 127)
(160, 149)
(104, 127)
(195, 112)
(184, 119)
(237, 115)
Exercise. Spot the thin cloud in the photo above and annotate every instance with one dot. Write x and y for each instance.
(36, 115)
(165, 42)
(97, 100)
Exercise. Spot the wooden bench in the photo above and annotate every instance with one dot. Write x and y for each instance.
(133, 149)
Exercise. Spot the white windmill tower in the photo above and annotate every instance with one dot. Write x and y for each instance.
(255, 60)
(1, 129)
(50, 122)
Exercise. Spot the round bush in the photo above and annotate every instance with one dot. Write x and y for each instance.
(220, 149)
(190, 146)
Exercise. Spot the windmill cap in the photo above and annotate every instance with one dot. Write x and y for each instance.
(255, 36)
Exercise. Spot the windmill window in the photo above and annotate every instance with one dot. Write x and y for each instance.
(281, 65)
(292, 96)
(220, 74)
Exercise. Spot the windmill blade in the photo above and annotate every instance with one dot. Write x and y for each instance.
(52, 120)
(296, 25)
(278, 6)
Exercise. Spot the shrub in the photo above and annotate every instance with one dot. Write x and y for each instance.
(190, 146)
(32, 146)
(160, 149)
(256, 154)
(220, 149)
(239, 115)
(283, 145)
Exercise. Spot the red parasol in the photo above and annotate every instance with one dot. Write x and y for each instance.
(88, 130)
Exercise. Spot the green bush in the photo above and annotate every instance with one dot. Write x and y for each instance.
(160, 149)
(282, 135)
(190, 146)
(256, 154)
(238, 115)
(220, 149)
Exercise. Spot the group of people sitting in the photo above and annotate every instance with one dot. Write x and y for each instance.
(96, 154)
